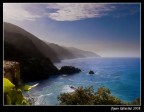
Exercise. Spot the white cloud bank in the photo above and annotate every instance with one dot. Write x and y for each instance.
(61, 11)
(16, 11)
(78, 11)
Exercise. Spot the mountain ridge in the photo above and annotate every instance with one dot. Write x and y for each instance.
(55, 51)
(12, 31)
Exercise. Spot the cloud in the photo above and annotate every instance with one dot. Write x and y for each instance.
(64, 11)
(16, 11)
(78, 11)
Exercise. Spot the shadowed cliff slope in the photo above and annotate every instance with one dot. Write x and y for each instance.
(27, 43)
(32, 68)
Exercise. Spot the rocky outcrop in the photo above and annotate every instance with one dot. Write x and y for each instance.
(91, 72)
(69, 70)
(72, 87)
(12, 71)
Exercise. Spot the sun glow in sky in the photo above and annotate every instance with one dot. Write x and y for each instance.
(110, 30)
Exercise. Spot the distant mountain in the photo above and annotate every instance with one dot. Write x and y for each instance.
(81, 53)
(70, 52)
(61, 51)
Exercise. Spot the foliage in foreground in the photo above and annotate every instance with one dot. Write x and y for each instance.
(87, 96)
(13, 95)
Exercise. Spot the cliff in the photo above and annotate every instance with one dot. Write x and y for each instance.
(12, 71)
(32, 67)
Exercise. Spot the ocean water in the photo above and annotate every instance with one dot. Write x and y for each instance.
(120, 75)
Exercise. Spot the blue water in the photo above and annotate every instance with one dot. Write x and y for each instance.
(120, 75)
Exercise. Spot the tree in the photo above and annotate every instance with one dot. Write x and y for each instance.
(87, 96)
(81, 96)
(136, 101)
(13, 95)
(103, 97)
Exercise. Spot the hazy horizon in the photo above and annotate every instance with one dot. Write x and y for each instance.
(109, 30)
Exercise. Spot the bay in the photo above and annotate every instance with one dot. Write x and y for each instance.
(120, 75)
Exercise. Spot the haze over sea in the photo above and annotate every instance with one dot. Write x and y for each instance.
(120, 75)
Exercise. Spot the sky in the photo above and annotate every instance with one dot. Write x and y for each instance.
(108, 29)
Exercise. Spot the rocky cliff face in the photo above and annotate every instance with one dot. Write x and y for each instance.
(32, 67)
(12, 71)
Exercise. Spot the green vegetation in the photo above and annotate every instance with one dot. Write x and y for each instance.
(136, 101)
(26, 87)
(7, 85)
(87, 96)
(13, 95)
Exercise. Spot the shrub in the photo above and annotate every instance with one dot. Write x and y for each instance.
(136, 101)
(87, 96)
(13, 95)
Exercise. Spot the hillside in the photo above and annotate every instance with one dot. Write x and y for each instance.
(28, 43)
(62, 52)
(81, 53)
(21, 46)
(32, 68)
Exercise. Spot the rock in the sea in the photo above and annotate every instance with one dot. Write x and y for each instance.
(69, 70)
(72, 87)
(91, 72)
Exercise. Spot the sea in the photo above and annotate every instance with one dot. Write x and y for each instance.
(121, 75)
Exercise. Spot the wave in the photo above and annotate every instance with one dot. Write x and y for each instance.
(45, 95)
(71, 80)
(40, 99)
(67, 89)
(61, 78)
